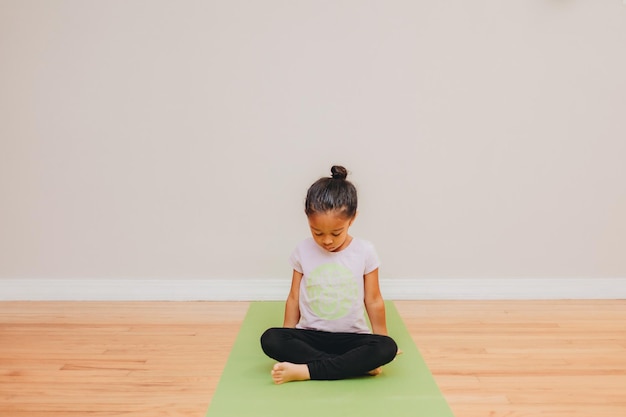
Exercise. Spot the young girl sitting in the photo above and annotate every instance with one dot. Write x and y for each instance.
(325, 335)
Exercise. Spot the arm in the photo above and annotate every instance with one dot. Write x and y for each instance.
(374, 303)
(292, 306)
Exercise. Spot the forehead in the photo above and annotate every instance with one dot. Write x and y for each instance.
(330, 220)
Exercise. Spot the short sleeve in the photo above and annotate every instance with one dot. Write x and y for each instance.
(295, 260)
(371, 258)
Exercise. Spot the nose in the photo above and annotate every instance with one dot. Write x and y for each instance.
(327, 241)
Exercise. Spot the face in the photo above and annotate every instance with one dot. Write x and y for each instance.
(330, 230)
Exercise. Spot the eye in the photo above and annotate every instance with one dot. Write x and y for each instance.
(336, 234)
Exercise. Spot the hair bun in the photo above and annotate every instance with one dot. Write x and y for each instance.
(338, 172)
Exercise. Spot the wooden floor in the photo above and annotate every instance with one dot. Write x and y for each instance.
(495, 358)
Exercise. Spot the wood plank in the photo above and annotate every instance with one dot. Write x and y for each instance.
(564, 358)
(530, 358)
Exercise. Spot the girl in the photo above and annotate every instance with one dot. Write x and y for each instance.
(335, 281)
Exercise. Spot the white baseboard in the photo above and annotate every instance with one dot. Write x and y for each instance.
(277, 289)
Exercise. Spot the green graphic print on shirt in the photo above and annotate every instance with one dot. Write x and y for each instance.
(331, 290)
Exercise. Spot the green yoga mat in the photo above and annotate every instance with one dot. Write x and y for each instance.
(405, 388)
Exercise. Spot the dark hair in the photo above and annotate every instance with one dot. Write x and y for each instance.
(332, 193)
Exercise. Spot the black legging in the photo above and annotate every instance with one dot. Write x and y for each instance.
(329, 355)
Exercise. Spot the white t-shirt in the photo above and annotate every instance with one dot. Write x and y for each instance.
(332, 289)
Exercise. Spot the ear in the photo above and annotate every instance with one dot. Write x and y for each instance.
(353, 218)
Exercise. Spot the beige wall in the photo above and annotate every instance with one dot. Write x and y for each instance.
(175, 140)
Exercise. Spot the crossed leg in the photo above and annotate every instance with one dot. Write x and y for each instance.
(311, 354)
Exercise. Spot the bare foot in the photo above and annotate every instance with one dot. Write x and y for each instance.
(376, 371)
(287, 372)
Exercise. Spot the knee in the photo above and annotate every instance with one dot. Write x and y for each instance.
(271, 341)
(388, 348)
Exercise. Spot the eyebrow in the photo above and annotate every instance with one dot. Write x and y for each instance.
(334, 230)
